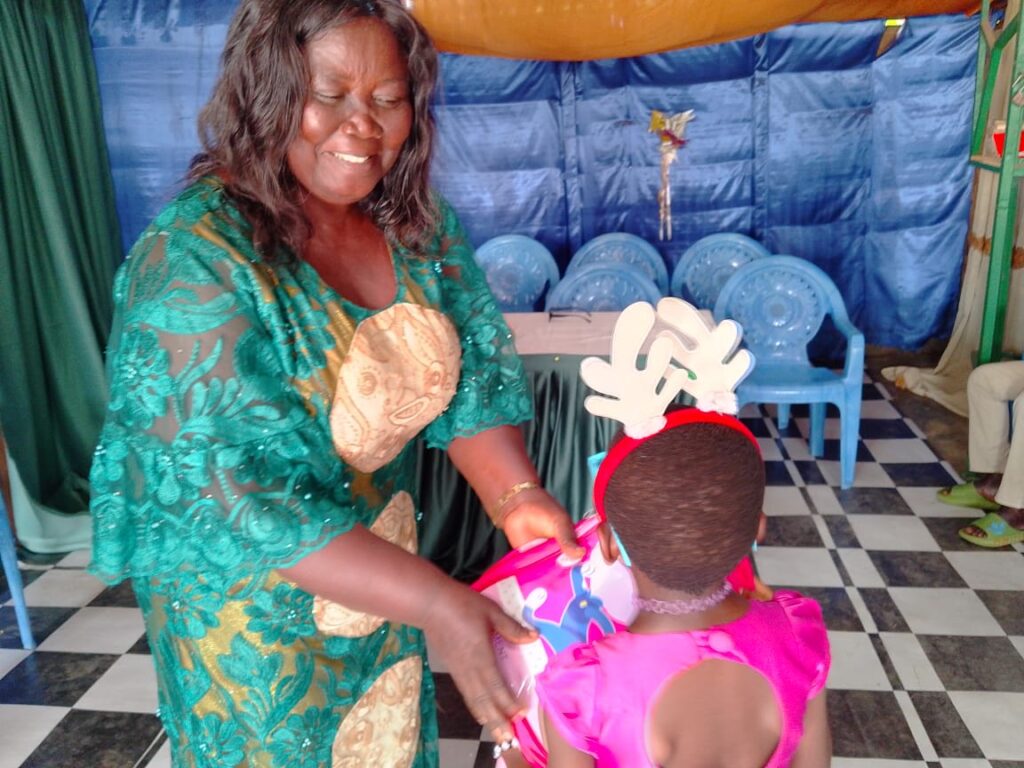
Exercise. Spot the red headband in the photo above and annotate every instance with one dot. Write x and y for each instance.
(618, 452)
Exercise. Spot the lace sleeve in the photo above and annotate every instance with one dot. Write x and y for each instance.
(209, 458)
(493, 389)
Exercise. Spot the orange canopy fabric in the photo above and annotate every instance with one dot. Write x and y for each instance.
(578, 30)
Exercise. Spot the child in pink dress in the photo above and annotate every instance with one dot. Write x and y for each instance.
(702, 677)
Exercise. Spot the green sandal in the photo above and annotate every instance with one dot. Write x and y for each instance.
(998, 532)
(965, 495)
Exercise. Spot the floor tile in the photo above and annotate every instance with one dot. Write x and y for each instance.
(128, 686)
(53, 679)
(946, 729)
(836, 607)
(1007, 607)
(930, 474)
(938, 611)
(872, 501)
(797, 448)
(884, 429)
(892, 532)
(810, 473)
(878, 409)
(944, 531)
(162, 758)
(832, 450)
(769, 449)
(824, 500)
(867, 762)
(458, 753)
(912, 666)
(965, 762)
(840, 531)
(994, 721)
(903, 451)
(797, 566)
(77, 559)
(756, 424)
(63, 588)
(869, 724)
(454, 719)
(24, 728)
(782, 500)
(120, 596)
(917, 728)
(975, 663)
(861, 569)
(777, 473)
(855, 665)
(916, 569)
(96, 738)
(884, 611)
(989, 570)
(10, 658)
(793, 531)
(867, 474)
(28, 575)
(1018, 643)
(44, 622)
(924, 504)
(97, 630)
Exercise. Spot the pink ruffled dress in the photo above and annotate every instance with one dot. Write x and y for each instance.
(598, 695)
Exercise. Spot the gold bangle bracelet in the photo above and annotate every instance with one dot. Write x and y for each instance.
(507, 496)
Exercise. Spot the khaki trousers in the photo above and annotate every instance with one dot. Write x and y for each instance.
(991, 391)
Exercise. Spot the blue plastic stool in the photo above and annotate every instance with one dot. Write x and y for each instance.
(9, 555)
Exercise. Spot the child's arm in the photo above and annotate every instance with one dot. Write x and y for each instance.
(815, 750)
(560, 753)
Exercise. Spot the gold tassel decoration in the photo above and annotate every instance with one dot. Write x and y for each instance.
(669, 129)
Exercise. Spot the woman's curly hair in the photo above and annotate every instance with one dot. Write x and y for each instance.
(255, 113)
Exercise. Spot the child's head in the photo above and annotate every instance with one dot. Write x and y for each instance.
(686, 504)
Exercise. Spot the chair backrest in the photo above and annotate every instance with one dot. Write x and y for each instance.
(706, 265)
(519, 270)
(781, 302)
(623, 248)
(602, 288)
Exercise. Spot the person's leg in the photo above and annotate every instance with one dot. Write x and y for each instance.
(1001, 385)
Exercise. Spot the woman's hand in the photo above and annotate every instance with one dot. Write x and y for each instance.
(535, 514)
(460, 629)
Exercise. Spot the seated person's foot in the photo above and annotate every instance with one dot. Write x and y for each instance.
(996, 529)
(979, 494)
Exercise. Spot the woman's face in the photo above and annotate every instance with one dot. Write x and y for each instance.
(358, 113)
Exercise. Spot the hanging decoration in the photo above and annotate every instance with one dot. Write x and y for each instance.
(669, 130)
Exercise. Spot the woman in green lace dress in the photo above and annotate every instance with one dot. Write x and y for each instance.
(285, 327)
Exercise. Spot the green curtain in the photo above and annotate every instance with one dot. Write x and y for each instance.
(454, 531)
(59, 244)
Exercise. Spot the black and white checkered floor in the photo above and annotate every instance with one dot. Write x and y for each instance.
(927, 631)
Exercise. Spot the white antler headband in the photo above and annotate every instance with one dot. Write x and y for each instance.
(710, 367)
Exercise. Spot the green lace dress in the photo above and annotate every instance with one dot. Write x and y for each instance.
(254, 415)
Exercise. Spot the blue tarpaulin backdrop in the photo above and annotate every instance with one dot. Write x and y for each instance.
(802, 139)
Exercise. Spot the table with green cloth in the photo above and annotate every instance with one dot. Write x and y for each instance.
(454, 531)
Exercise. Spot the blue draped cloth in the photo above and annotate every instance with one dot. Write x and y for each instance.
(802, 139)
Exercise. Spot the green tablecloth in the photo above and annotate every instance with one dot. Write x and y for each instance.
(454, 532)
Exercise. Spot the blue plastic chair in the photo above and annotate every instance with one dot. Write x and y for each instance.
(519, 270)
(781, 302)
(622, 248)
(602, 288)
(9, 556)
(705, 266)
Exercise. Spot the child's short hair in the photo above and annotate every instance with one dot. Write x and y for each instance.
(686, 504)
